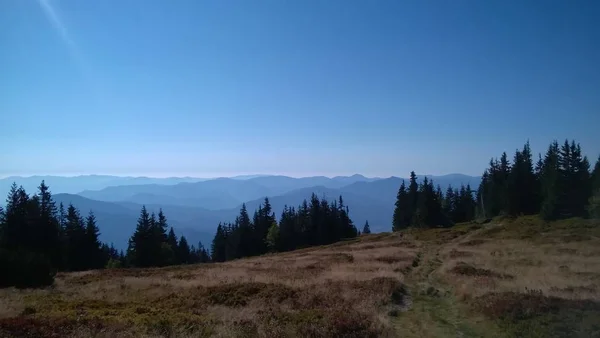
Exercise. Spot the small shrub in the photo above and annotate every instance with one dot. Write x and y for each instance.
(391, 259)
(462, 268)
(456, 253)
(416, 260)
(28, 310)
(473, 242)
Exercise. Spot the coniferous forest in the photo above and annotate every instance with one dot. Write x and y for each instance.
(559, 185)
(314, 222)
(39, 238)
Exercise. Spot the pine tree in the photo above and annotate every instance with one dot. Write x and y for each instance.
(93, 246)
(140, 251)
(413, 198)
(219, 245)
(594, 201)
(595, 176)
(171, 248)
(550, 179)
(162, 226)
(183, 251)
(402, 210)
(76, 240)
(288, 230)
(449, 205)
(366, 228)
(16, 227)
(522, 186)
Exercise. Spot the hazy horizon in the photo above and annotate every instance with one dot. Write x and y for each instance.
(215, 177)
(306, 88)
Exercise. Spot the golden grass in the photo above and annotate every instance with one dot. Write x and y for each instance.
(511, 277)
(336, 290)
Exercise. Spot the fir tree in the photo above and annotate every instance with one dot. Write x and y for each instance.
(449, 204)
(76, 240)
(140, 251)
(550, 179)
(366, 228)
(219, 245)
(402, 211)
(93, 246)
(413, 197)
(183, 251)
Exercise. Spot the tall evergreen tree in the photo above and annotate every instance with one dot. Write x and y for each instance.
(93, 246)
(219, 244)
(140, 251)
(76, 240)
(366, 228)
(402, 211)
(413, 197)
(47, 231)
(550, 180)
(595, 176)
(449, 203)
(522, 187)
(183, 251)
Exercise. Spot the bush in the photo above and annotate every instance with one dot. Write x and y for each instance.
(594, 206)
(23, 269)
(113, 264)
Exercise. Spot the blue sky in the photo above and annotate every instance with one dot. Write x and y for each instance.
(218, 88)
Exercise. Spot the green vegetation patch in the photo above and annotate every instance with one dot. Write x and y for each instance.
(465, 269)
(240, 294)
(532, 314)
(336, 322)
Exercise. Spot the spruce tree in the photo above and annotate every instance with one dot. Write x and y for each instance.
(140, 250)
(595, 176)
(449, 205)
(550, 180)
(366, 228)
(76, 240)
(93, 246)
(594, 201)
(402, 211)
(219, 244)
(413, 197)
(162, 226)
(47, 230)
(183, 251)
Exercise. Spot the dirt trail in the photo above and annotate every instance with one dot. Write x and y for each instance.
(434, 310)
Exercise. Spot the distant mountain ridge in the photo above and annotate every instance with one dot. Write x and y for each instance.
(195, 208)
(219, 193)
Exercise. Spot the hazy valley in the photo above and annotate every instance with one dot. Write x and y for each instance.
(195, 206)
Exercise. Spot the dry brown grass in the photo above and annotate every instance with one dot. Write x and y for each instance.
(337, 290)
(520, 277)
(538, 278)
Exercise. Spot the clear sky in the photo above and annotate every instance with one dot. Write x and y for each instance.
(311, 87)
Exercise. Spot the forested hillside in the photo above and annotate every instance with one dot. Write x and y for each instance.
(558, 185)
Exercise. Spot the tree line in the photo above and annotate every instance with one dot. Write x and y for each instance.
(559, 185)
(424, 205)
(151, 245)
(314, 222)
(38, 239)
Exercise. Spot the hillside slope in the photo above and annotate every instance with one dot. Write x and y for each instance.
(508, 278)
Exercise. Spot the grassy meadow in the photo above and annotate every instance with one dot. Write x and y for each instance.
(508, 278)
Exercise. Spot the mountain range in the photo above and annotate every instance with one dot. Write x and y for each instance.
(194, 206)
